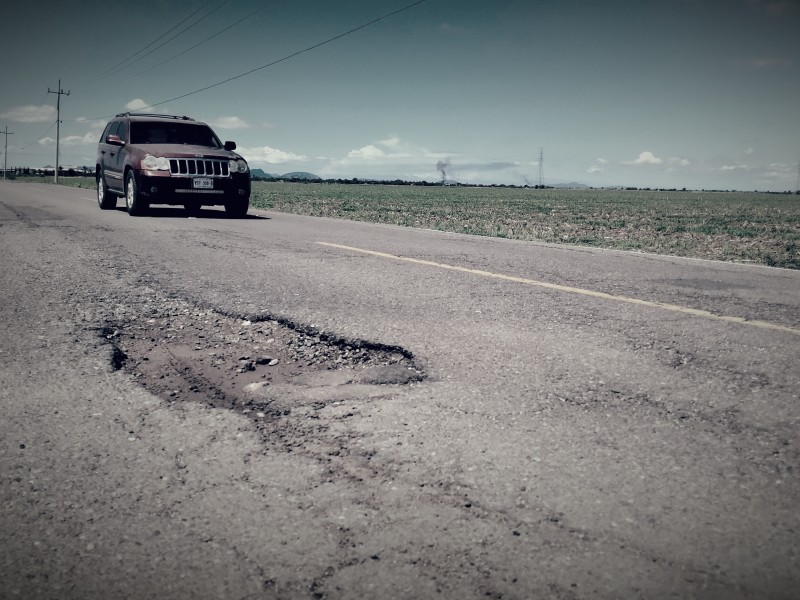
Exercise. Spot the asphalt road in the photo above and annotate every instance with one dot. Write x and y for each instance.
(592, 424)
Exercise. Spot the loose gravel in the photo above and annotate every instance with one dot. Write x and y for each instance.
(260, 366)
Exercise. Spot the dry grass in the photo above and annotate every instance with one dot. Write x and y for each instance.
(743, 227)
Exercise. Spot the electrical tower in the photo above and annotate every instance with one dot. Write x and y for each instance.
(797, 181)
(541, 168)
(5, 151)
(60, 93)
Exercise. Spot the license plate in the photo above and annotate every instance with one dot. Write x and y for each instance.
(203, 183)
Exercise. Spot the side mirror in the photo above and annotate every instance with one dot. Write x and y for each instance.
(114, 140)
(230, 146)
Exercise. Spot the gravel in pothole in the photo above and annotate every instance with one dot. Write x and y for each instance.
(258, 367)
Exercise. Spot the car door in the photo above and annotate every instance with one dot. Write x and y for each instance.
(112, 156)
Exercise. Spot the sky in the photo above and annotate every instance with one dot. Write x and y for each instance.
(701, 94)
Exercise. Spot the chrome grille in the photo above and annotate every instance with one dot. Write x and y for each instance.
(206, 167)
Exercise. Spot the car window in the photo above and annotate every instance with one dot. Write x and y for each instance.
(173, 133)
(111, 129)
(122, 131)
(106, 133)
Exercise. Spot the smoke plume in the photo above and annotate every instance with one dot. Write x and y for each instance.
(442, 166)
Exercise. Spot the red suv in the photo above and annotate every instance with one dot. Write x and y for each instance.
(166, 159)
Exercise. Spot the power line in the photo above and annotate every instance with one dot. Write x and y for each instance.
(118, 67)
(285, 58)
(181, 32)
(29, 144)
(209, 38)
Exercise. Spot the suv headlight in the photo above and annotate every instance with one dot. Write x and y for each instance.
(155, 163)
(237, 166)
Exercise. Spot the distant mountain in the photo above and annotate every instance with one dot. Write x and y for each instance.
(300, 175)
(260, 174)
(572, 186)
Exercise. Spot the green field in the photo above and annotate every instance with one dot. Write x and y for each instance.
(731, 226)
(743, 227)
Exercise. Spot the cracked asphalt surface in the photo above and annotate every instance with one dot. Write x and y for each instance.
(215, 408)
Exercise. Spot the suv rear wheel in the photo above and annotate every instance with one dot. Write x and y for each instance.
(105, 199)
(133, 200)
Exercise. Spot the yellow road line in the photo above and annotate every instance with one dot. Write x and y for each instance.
(574, 290)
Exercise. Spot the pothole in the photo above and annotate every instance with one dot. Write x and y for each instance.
(261, 367)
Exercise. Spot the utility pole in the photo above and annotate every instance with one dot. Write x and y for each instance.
(797, 183)
(5, 151)
(541, 168)
(60, 92)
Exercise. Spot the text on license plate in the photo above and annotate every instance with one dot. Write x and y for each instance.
(203, 183)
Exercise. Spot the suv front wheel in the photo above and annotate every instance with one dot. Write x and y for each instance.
(133, 201)
(237, 209)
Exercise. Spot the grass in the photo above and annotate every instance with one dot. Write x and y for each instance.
(735, 226)
(87, 183)
(730, 226)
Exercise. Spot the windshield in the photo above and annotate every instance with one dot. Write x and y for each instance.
(173, 133)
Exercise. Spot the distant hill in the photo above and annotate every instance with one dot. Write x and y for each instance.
(260, 174)
(301, 175)
(572, 186)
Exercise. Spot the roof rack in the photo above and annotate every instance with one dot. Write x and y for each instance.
(135, 114)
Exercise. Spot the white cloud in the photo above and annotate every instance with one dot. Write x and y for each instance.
(679, 161)
(602, 161)
(90, 137)
(368, 152)
(595, 169)
(30, 114)
(771, 172)
(137, 104)
(93, 123)
(645, 158)
(779, 170)
(393, 143)
(265, 155)
(392, 150)
(229, 123)
(748, 151)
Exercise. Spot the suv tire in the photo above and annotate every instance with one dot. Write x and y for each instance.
(105, 199)
(193, 210)
(133, 200)
(237, 209)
